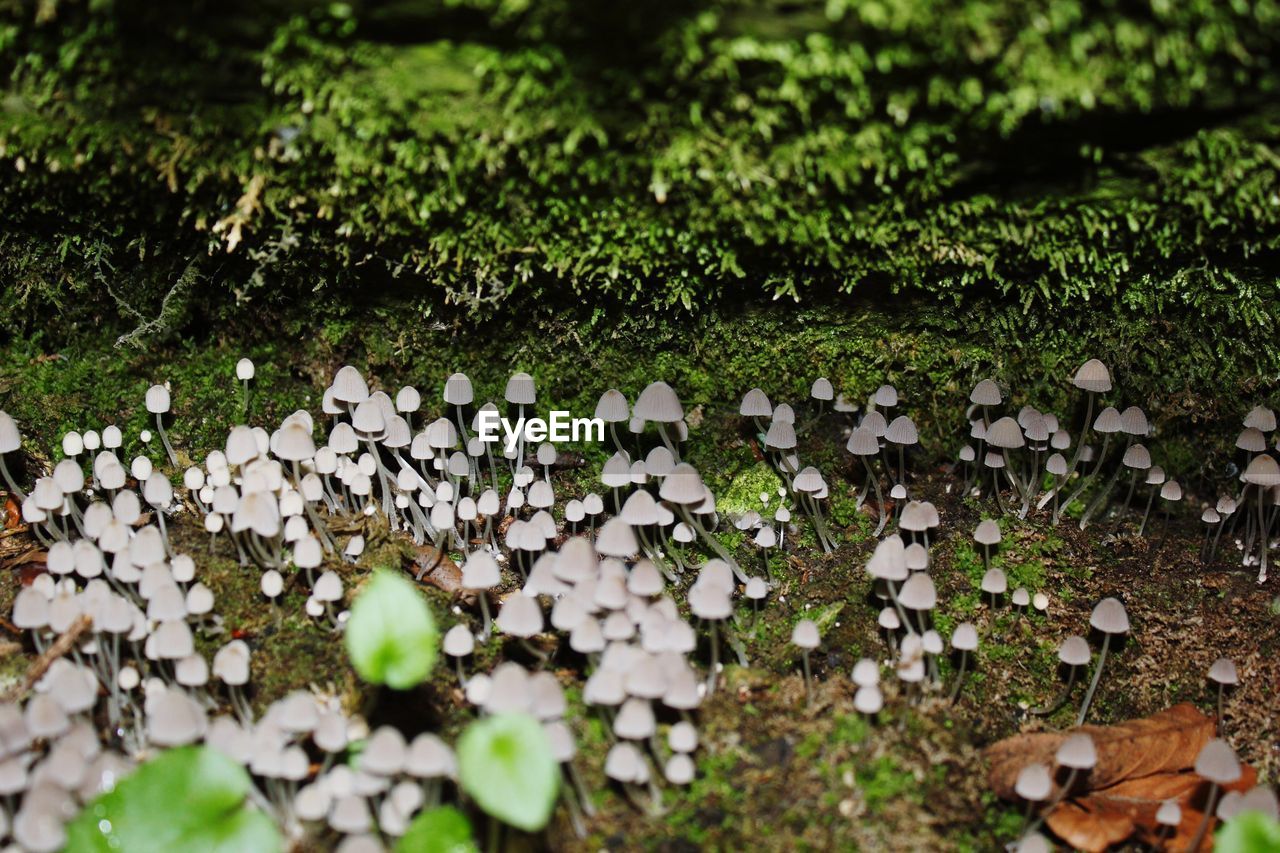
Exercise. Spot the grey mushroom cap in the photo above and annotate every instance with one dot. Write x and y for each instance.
(1109, 617)
(755, 404)
(520, 390)
(1078, 752)
(987, 532)
(1169, 813)
(1223, 671)
(1034, 783)
(965, 637)
(986, 393)
(821, 389)
(1217, 762)
(805, 635)
(1093, 377)
(658, 403)
(1074, 651)
(1005, 434)
(994, 582)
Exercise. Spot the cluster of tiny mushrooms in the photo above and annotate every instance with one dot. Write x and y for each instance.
(609, 574)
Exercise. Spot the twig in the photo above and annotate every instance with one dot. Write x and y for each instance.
(41, 665)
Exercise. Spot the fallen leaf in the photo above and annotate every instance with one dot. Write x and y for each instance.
(12, 514)
(437, 569)
(1167, 741)
(1141, 763)
(1102, 818)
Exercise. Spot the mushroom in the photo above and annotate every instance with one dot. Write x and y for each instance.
(964, 639)
(1110, 618)
(804, 636)
(158, 405)
(1074, 653)
(245, 372)
(10, 441)
(1217, 764)
(1223, 673)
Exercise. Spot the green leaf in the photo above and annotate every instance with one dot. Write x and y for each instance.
(391, 635)
(440, 830)
(505, 764)
(1248, 832)
(190, 799)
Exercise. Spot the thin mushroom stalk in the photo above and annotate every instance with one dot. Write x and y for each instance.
(1214, 790)
(1093, 684)
(164, 439)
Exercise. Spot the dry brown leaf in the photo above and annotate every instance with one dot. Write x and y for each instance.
(1102, 818)
(437, 569)
(1141, 763)
(10, 512)
(1167, 741)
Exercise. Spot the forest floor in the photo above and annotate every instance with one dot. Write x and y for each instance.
(775, 772)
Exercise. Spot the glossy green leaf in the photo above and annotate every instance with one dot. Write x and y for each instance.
(506, 765)
(391, 635)
(191, 799)
(1249, 832)
(440, 830)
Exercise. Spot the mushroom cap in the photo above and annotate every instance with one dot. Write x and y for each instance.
(1021, 598)
(886, 396)
(863, 442)
(994, 582)
(459, 641)
(868, 699)
(987, 532)
(1171, 491)
(157, 399)
(781, 435)
(986, 393)
(918, 592)
(1077, 751)
(1262, 471)
(1223, 671)
(866, 672)
(520, 616)
(10, 438)
(1108, 420)
(1033, 783)
(613, 407)
(1005, 434)
(1133, 421)
(755, 404)
(1092, 376)
(520, 390)
(1169, 813)
(964, 637)
(683, 486)
(616, 538)
(1109, 617)
(658, 402)
(902, 430)
(805, 635)
(889, 560)
(1074, 651)
(821, 389)
(1217, 762)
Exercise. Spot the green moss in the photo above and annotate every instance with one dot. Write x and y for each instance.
(169, 161)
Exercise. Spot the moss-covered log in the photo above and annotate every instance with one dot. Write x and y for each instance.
(165, 161)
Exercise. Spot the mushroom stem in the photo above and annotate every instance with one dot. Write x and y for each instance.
(808, 679)
(244, 403)
(1151, 499)
(875, 481)
(964, 660)
(1263, 535)
(484, 608)
(715, 659)
(1097, 676)
(1194, 846)
(164, 438)
(1221, 687)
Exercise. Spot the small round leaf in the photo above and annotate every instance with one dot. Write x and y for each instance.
(505, 763)
(438, 830)
(391, 635)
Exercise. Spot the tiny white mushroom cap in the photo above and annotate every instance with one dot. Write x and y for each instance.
(1109, 617)
(866, 672)
(459, 641)
(1034, 783)
(157, 399)
(1169, 813)
(1223, 671)
(231, 663)
(328, 587)
(1217, 762)
(679, 769)
(272, 583)
(868, 699)
(805, 635)
(1077, 751)
(1074, 651)
(965, 637)
(244, 369)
